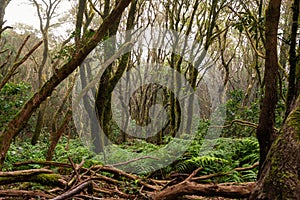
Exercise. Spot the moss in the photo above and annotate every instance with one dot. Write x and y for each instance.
(48, 179)
(294, 120)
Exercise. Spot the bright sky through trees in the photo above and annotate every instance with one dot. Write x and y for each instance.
(24, 12)
(21, 12)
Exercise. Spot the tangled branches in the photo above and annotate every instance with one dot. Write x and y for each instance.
(70, 180)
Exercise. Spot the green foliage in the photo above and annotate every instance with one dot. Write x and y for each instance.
(137, 149)
(221, 156)
(65, 53)
(24, 151)
(249, 22)
(235, 110)
(75, 149)
(12, 98)
(20, 152)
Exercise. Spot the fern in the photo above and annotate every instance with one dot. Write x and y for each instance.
(207, 162)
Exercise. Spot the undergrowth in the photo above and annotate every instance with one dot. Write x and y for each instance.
(221, 155)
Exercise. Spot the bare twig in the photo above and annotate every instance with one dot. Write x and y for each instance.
(6, 60)
(21, 48)
(133, 160)
(247, 168)
(5, 28)
(17, 64)
(74, 191)
(24, 193)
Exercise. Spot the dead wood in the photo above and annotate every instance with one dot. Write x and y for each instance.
(21, 194)
(74, 191)
(43, 176)
(129, 176)
(209, 190)
(44, 163)
(99, 181)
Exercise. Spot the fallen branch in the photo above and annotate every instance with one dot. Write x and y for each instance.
(130, 176)
(114, 192)
(74, 191)
(24, 194)
(204, 177)
(133, 160)
(247, 168)
(100, 184)
(44, 163)
(29, 172)
(43, 176)
(209, 190)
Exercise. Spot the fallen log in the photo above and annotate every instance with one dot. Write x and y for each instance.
(43, 176)
(208, 190)
(21, 194)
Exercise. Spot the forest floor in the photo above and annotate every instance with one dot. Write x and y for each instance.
(72, 181)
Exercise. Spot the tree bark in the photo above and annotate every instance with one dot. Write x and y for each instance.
(292, 90)
(17, 123)
(109, 79)
(44, 30)
(55, 136)
(265, 130)
(280, 175)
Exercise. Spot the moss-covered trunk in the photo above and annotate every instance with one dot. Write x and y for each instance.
(109, 78)
(280, 174)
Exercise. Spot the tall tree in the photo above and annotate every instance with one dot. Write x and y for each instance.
(110, 77)
(293, 91)
(51, 7)
(265, 130)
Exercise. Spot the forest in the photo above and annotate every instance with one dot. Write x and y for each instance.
(148, 99)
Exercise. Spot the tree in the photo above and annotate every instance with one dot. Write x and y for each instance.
(279, 175)
(293, 88)
(265, 131)
(110, 77)
(44, 28)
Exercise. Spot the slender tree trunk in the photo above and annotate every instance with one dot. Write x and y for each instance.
(265, 130)
(39, 123)
(44, 30)
(20, 119)
(57, 135)
(292, 90)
